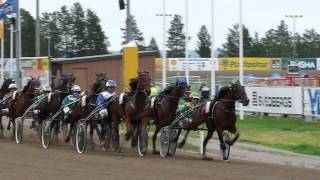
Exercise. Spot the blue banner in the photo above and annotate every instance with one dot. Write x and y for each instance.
(7, 8)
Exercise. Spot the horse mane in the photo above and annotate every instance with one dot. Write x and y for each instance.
(26, 86)
(133, 84)
(222, 92)
(167, 90)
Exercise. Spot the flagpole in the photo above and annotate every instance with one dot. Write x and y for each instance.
(2, 45)
(18, 47)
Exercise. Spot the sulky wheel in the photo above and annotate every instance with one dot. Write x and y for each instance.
(19, 129)
(81, 136)
(224, 154)
(46, 133)
(164, 142)
(143, 143)
(173, 142)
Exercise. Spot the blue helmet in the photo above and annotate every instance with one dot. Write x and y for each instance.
(181, 81)
(111, 83)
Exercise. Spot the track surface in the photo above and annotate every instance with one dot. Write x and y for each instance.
(30, 161)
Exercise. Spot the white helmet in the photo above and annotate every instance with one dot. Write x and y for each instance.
(46, 88)
(111, 83)
(12, 86)
(76, 88)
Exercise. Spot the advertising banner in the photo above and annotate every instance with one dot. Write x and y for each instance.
(195, 64)
(276, 63)
(249, 64)
(312, 101)
(303, 63)
(277, 100)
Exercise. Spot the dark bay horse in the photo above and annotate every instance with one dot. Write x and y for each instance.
(18, 105)
(54, 99)
(131, 107)
(221, 116)
(4, 103)
(165, 108)
(86, 105)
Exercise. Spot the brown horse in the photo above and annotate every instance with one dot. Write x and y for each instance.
(18, 105)
(221, 116)
(4, 103)
(86, 105)
(165, 108)
(132, 109)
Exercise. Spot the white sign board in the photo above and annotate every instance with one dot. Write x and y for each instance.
(278, 100)
(312, 101)
(318, 63)
(195, 64)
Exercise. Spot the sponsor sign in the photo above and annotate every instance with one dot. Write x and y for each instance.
(312, 101)
(249, 64)
(42, 74)
(303, 63)
(318, 63)
(40, 64)
(276, 64)
(195, 64)
(278, 100)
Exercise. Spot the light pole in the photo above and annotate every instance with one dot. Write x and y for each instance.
(37, 30)
(241, 54)
(213, 74)
(129, 35)
(187, 40)
(18, 46)
(293, 17)
(164, 46)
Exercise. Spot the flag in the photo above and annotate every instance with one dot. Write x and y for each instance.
(9, 7)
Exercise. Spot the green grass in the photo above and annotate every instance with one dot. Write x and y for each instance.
(291, 134)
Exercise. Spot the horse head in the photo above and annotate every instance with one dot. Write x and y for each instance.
(100, 83)
(143, 82)
(238, 93)
(32, 86)
(181, 87)
(5, 85)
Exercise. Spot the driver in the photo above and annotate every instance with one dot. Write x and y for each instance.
(76, 90)
(105, 96)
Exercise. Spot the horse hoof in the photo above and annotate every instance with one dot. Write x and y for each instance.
(226, 160)
(8, 128)
(206, 158)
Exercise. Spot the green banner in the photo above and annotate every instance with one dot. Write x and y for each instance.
(303, 63)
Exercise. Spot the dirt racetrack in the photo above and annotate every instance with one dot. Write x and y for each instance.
(30, 161)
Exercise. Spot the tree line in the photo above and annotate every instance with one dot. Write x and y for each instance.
(76, 32)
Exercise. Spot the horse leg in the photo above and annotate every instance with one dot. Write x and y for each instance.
(72, 124)
(222, 143)
(154, 138)
(184, 140)
(115, 135)
(9, 124)
(1, 127)
(235, 138)
(208, 137)
(92, 127)
(143, 133)
(130, 128)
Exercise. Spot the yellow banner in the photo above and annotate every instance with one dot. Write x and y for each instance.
(130, 65)
(40, 64)
(249, 64)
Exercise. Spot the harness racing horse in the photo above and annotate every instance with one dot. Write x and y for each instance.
(4, 102)
(86, 105)
(54, 99)
(165, 108)
(131, 107)
(221, 117)
(18, 105)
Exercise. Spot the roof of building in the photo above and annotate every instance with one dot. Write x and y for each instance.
(97, 57)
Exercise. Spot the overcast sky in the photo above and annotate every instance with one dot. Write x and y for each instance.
(258, 15)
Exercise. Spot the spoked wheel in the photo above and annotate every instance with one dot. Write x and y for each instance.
(143, 143)
(173, 142)
(107, 138)
(224, 154)
(164, 141)
(46, 133)
(19, 129)
(81, 137)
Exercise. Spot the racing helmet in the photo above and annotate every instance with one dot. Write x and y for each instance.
(11, 86)
(46, 88)
(76, 88)
(111, 83)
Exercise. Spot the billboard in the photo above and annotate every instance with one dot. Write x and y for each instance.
(249, 64)
(195, 64)
(303, 63)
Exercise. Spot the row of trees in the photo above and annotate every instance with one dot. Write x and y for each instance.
(77, 32)
(275, 43)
